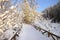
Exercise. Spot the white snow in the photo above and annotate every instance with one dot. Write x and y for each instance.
(48, 26)
(8, 34)
(29, 33)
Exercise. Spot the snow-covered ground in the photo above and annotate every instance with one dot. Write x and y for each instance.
(48, 26)
(30, 33)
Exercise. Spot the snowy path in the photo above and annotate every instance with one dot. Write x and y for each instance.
(29, 33)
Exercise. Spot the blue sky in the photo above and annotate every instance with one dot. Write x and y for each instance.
(43, 4)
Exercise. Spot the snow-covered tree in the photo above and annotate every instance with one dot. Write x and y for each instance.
(28, 10)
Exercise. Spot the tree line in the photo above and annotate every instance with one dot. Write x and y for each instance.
(53, 13)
